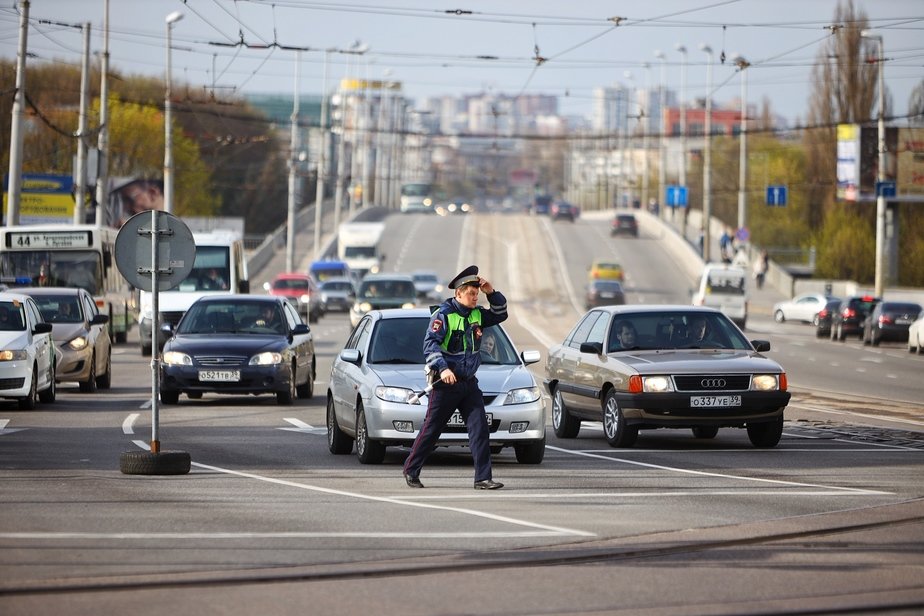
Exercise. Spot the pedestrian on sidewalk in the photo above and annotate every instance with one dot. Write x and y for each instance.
(761, 265)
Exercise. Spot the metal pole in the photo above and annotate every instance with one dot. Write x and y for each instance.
(662, 147)
(707, 161)
(743, 146)
(80, 192)
(168, 120)
(14, 194)
(646, 128)
(881, 173)
(102, 177)
(155, 348)
(293, 171)
(322, 164)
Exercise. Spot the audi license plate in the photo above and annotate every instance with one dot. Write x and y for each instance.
(456, 419)
(698, 401)
(223, 376)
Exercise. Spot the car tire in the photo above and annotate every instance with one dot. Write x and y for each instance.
(338, 443)
(874, 339)
(564, 424)
(306, 390)
(367, 450)
(104, 381)
(194, 395)
(617, 432)
(285, 398)
(766, 434)
(160, 463)
(169, 396)
(89, 386)
(779, 317)
(28, 403)
(49, 394)
(530, 453)
(705, 431)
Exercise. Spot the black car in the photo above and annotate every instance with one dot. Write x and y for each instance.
(822, 318)
(889, 321)
(542, 204)
(239, 344)
(850, 316)
(603, 293)
(562, 210)
(624, 224)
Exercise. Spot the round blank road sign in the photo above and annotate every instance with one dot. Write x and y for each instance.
(176, 250)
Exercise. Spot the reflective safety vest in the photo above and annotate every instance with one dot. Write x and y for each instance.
(455, 341)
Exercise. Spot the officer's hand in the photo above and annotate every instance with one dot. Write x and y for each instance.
(486, 287)
(447, 376)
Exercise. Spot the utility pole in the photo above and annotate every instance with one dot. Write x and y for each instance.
(322, 164)
(293, 171)
(14, 194)
(102, 176)
(707, 159)
(880, 176)
(743, 146)
(80, 194)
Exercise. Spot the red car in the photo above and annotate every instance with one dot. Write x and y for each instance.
(301, 291)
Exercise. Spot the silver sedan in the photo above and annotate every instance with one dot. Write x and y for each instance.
(374, 393)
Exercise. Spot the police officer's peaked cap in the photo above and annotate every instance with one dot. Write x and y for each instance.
(467, 276)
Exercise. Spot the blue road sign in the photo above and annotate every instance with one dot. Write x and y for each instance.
(776, 195)
(885, 189)
(677, 196)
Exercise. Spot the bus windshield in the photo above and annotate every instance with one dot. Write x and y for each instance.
(50, 268)
(416, 190)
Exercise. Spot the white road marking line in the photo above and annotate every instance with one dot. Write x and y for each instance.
(556, 530)
(618, 494)
(128, 424)
(285, 535)
(720, 475)
(301, 426)
(4, 430)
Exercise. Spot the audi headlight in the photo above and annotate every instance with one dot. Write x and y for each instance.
(266, 359)
(523, 395)
(393, 394)
(765, 382)
(657, 384)
(175, 358)
(79, 343)
(10, 355)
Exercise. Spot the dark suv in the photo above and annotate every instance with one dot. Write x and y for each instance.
(562, 210)
(624, 224)
(850, 315)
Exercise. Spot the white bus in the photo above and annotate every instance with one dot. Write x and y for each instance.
(62, 255)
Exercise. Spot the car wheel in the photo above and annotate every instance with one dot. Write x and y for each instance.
(530, 453)
(367, 450)
(766, 434)
(815, 320)
(705, 431)
(104, 381)
(617, 433)
(285, 398)
(874, 339)
(160, 463)
(28, 402)
(306, 390)
(194, 395)
(841, 337)
(338, 443)
(89, 386)
(778, 316)
(169, 396)
(51, 392)
(564, 424)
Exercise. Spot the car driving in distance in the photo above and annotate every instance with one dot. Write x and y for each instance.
(822, 319)
(802, 307)
(850, 316)
(337, 294)
(373, 380)
(684, 367)
(381, 291)
(301, 291)
(562, 210)
(916, 334)
(624, 224)
(605, 269)
(603, 293)
(889, 320)
(725, 288)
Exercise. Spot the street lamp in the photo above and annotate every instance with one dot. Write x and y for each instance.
(172, 18)
(742, 65)
(683, 114)
(662, 146)
(707, 157)
(880, 176)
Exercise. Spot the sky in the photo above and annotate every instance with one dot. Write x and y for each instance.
(442, 48)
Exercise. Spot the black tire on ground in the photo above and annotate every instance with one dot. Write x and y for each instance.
(564, 424)
(104, 381)
(28, 403)
(338, 443)
(615, 429)
(50, 393)
(705, 431)
(767, 434)
(530, 453)
(779, 317)
(367, 450)
(160, 463)
(89, 386)
(169, 396)
(194, 395)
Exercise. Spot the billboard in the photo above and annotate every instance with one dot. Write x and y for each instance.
(858, 160)
(44, 198)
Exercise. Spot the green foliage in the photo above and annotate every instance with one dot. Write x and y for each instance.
(847, 246)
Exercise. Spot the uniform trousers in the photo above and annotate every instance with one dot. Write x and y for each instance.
(466, 396)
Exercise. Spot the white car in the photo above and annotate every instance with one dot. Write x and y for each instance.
(916, 335)
(802, 307)
(27, 352)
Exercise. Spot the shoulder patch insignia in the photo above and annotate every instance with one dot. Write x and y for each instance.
(437, 325)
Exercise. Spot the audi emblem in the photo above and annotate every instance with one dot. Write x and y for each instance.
(712, 383)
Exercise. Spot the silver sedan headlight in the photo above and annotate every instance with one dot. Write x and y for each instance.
(175, 358)
(266, 359)
(13, 355)
(400, 395)
(524, 395)
(79, 343)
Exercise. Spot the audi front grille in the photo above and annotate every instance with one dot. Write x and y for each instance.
(713, 382)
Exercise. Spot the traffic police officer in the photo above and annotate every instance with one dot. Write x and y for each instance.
(451, 347)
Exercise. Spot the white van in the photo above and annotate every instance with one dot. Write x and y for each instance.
(724, 287)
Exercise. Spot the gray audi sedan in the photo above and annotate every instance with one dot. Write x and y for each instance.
(644, 367)
(374, 394)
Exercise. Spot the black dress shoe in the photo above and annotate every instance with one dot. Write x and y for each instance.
(488, 484)
(412, 482)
